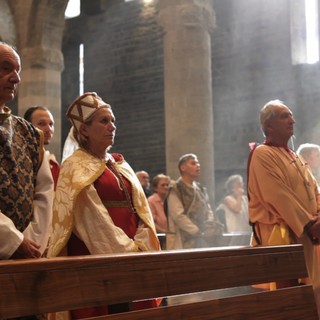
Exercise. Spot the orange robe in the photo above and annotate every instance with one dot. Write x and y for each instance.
(282, 190)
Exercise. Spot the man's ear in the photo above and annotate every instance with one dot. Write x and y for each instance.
(269, 128)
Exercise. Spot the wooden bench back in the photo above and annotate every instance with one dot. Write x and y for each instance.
(48, 285)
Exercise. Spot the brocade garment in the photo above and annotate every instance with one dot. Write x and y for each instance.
(21, 152)
(78, 208)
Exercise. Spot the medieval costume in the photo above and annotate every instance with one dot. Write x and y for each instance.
(284, 199)
(91, 204)
(100, 206)
(26, 185)
(189, 215)
(54, 167)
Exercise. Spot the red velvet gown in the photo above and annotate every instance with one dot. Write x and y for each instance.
(55, 169)
(109, 189)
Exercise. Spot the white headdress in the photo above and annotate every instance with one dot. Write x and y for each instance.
(84, 107)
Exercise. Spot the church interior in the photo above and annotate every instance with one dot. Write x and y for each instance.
(181, 75)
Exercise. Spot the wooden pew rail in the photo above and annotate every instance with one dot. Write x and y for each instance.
(49, 285)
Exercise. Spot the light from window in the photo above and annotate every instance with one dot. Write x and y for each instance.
(73, 9)
(81, 69)
(145, 1)
(312, 34)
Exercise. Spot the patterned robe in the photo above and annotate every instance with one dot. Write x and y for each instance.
(21, 152)
(77, 206)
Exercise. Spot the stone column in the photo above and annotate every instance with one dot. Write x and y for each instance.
(41, 85)
(39, 27)
(187, 26)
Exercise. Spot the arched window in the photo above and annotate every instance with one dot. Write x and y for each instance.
(304, 31)
(81, 68)
(312, 30)
(73, 9)
(145, 1)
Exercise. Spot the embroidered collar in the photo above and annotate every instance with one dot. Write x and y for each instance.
(6, 114)
(269, 143)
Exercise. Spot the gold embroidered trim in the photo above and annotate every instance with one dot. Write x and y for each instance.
(116, 204)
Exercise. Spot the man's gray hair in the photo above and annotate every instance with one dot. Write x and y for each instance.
(8, 45)
(306, 148)
(267, 113)
(231, 181)
(186, 157)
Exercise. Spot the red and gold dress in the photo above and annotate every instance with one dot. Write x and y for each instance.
(103, 210)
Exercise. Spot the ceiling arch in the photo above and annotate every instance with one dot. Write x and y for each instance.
(7, 26)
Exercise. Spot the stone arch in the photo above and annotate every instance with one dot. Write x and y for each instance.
(7, 26)
(39, 29)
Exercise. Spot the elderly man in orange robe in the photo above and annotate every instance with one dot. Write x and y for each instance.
(284, 203)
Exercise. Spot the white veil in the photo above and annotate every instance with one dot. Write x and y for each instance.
(70, 145)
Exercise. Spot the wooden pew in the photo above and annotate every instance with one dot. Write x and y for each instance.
(47, 285)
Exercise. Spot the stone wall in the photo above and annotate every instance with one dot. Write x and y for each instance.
(123, 59)
(251, 64)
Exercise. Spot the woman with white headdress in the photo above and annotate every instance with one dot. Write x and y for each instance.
(100, 206)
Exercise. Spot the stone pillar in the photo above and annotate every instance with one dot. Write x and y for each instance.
(7, 26)
(41, 85)
(39, 27)
(187, 26)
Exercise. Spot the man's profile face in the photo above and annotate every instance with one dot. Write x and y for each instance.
(282, 123)
(9, 74)
(144, 179)
(191, 168)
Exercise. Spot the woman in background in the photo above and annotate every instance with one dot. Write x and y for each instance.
(235, 206)
(160, 186)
